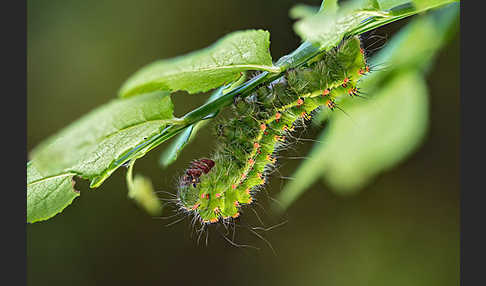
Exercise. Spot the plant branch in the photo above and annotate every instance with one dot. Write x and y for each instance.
(298, 57)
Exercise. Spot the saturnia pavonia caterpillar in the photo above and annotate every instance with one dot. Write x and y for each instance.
(215, 189)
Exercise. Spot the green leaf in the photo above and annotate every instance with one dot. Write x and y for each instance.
(170, 155)
(356, 17)
(402, 52)
(302, 11)
(397, 115)
(423, 4)
(327, 30)
(205, 69)
(90, 146)
(388, 4)
(431, 32)
(379, 134)
(400, 55)
(47, 196)
(140, 190)
(329, 6)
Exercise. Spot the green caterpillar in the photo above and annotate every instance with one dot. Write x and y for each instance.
(215, 189)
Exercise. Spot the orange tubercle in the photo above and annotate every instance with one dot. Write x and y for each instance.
(345, 82)
(330, 104)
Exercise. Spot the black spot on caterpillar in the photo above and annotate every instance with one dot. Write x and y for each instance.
(261, 125)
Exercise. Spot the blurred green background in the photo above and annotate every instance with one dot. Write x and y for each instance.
(403, 229)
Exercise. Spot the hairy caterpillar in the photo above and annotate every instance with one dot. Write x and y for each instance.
(262, 123)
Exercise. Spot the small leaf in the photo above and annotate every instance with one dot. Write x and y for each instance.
(329, 6)
(205, 69)
(400, 55)
(170, 155)
(327, 30)
(381, 133)
(421, 4)
(140, 190)
(47, 196)
(397, 115)
(402, 51)
(90, 146)
(356, 17)
(302, 11)
(388, 4)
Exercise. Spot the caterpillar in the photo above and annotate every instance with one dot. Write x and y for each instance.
(216, 189)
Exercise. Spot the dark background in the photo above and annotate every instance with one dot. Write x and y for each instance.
(403, 229)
